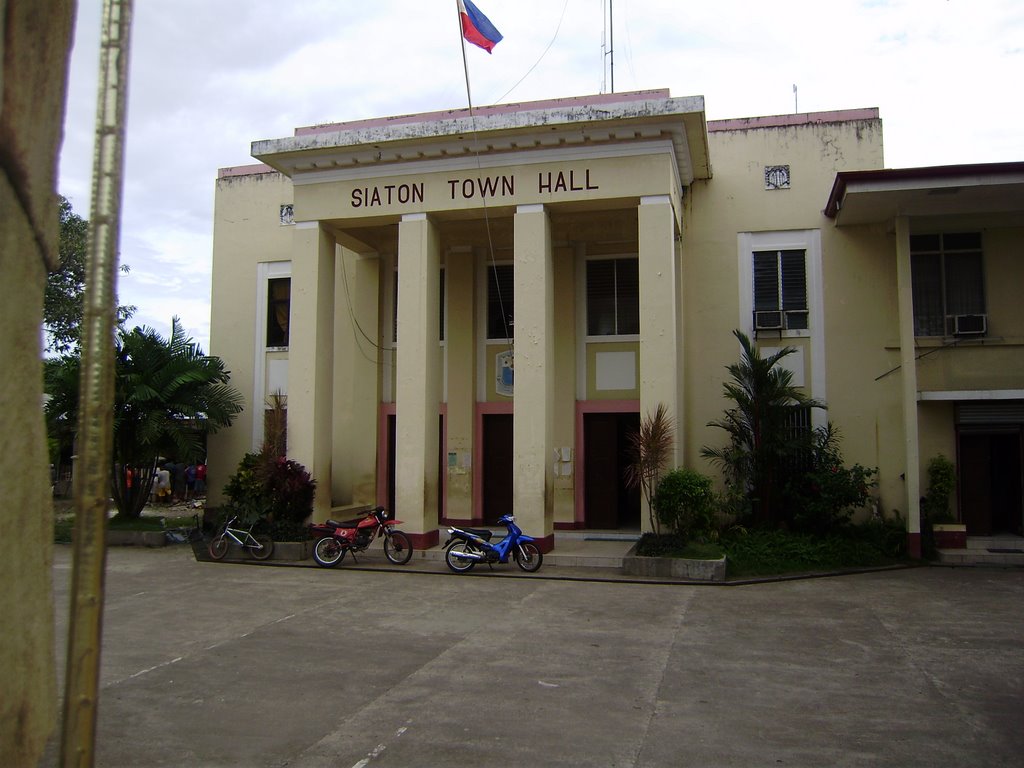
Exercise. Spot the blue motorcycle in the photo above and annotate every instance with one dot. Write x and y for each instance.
(468, 546)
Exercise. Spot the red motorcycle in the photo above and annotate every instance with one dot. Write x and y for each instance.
(336, 539)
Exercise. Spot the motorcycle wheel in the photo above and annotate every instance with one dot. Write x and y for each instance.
(264, 549)
(397, 548)
(459, 564)
(528, 556)
(219, 547)
(328, 552)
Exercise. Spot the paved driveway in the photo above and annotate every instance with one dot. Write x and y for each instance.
(207, 664)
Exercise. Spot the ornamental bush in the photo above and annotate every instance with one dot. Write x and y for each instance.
(684, 502)
(941, 487)
(271, 489)
(824, 495)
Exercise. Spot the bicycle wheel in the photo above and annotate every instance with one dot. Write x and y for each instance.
(219, 547)
(456, 563)
(263, 548)
(328, 552)
(528, 556)
(397, 548)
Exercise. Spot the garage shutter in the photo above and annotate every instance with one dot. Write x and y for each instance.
(990, 412)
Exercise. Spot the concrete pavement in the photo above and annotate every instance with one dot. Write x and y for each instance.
(212, 664)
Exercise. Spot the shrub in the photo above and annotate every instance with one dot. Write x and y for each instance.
(685, 504)
(271, 489)
(941, 486)
(769, 552)
(823, 497)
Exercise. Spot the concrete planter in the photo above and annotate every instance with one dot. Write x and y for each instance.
(292, 550)
(136, 538)
(285, 551)
(673, 567)
(950, 535)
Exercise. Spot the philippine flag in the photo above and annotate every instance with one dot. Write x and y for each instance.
(477, 28)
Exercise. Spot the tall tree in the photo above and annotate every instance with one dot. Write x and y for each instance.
(762, 441)
(65, 286)
(168, 395)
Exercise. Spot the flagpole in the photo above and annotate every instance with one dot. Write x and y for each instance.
(465, 64)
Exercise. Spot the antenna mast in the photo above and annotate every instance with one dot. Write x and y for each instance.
(611, 42)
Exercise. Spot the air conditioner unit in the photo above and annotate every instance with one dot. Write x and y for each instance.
(769, 321)
(970, 325)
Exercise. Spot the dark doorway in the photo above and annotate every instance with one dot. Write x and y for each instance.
(990, 482)
(392, 425)
(392, 421)
(608, 503)
(497, 466)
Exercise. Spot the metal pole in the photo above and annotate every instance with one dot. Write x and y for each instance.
(465, 64)
(611, 41)
(95, 426)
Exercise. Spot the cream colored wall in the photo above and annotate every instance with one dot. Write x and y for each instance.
(858, 284)
(937, 432)
(356, 380)
(461, 275)
(246, 231)
(1004, 276)
(563, 429)
(864, 395)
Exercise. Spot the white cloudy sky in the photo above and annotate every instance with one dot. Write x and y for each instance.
(208, 77)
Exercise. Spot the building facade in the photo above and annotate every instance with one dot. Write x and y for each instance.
(469, 313)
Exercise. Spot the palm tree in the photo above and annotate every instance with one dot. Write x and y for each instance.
(168, 395)
(762, 442)
(650, 448)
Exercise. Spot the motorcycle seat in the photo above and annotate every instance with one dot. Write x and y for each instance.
(342, 524)
(483, 533)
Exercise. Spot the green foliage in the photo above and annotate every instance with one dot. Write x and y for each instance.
(670, 545)
(824, 494)
(761, 443)
(685, 504)
(63, 306)
(772, 552)
(168, 396)
(273, 489)
(63, 528)
(941, 487)
(649, 450)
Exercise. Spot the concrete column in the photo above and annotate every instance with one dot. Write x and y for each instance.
(908, 377)
(356, 378)
(660, 362)
(418, 387)
(461, 377)
(311, 358)
(532, 444)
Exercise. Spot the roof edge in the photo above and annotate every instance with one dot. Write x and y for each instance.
(843, 178)
(797, 118)
(495, 109)
(253, 169)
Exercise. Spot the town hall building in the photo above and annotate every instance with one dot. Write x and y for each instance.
(468, 313)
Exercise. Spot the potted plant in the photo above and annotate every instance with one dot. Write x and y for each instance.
(947, 531)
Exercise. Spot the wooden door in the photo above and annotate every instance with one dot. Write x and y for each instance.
(497, 466)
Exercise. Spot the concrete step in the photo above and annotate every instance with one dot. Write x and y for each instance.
(977, 556)
(1004, 542)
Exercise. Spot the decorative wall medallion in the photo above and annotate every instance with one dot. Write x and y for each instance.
(776, 177)
(287, 214)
